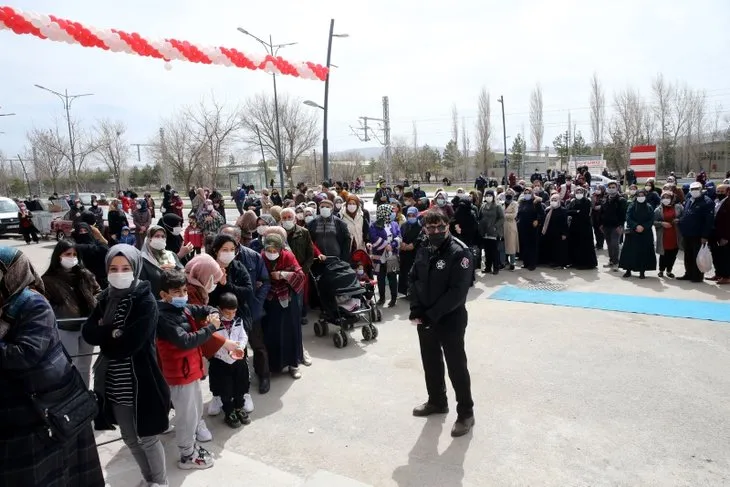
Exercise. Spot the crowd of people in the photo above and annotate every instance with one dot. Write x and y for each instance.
(169, 305)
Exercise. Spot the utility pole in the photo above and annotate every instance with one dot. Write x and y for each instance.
(504, 135)
(263, 156)
(386, 135)
(314, 158)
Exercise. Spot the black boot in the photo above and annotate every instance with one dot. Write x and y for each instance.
(627, 274)
(462, 426)
(427, 409)
(264, 385)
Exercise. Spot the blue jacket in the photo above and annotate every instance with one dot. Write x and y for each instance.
(256, 267)
(698, 219)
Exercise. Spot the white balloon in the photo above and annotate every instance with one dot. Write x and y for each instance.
(168, 67)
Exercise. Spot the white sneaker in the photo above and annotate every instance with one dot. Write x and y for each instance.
(203, 434)
(155, 484)
(307, 359)
(247, 403)
(215, 406)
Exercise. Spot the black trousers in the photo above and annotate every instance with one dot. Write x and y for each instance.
(666, 261)
(260, 355)
(692, 246)
(721, 259)
(491, 255)
(439, 342)
(28, 232)
(600, 238)
(230, 382)
(392, 282)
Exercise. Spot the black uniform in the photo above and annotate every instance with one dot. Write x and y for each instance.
(438, 284)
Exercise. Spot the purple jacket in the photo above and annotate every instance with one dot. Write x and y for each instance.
(379, 239)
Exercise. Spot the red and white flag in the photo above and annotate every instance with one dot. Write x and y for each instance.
(643, 162)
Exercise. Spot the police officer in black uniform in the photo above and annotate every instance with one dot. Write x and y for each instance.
(438, 284)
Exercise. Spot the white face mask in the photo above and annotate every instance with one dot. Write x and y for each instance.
(325, 212)
(226, 257)
(272, 255)
(696, 193)
(666, 202)
(352, 208)
(554, 204)
(632, 192)
(287, 224)
(158, 243)
(209, 207)
(69, 262)
(261, 229)
(309, 219)
(300, 216)
(121, 280)
(177, 230)
(338, 205)
(579, 196)
(490, 199)
(641, 199)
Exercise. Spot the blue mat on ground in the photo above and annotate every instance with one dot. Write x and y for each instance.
(674, 308)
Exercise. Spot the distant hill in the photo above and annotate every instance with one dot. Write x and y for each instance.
(365, 152)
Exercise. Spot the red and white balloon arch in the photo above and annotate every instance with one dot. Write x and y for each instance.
(70, 32)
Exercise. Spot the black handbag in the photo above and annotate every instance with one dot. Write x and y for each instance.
(67, 410)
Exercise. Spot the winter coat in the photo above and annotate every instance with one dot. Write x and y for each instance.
(491, 221)
(465, 216)
(254, 264)
(658, 219)
(133, 336)
(142, 220)
(300, 243)
(238, 283)
(98, 216)
(358, 228)
(613, 212)
(117, 220)
(179, 342)
(380, 239)
(698, 218)
(511, 240)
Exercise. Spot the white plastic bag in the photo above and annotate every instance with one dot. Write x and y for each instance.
(704, 259)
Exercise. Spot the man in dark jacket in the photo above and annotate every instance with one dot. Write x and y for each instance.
(438, 285)
(695, 225)
(612, 220)
(418, 193)
(329, 233)
(721, 236)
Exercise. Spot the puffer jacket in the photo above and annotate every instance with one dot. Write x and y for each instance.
(491, 221)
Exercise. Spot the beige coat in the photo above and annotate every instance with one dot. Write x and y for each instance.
(511, 242)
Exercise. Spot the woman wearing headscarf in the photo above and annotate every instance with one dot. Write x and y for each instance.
(511, 235)
(580, 235)
(199, 200)
(142, 221)
(275, 197)
(530, 214)
(176, 204)
(554, 235)
(385, 240)
(156, 259)
(89, 218)
(299, 210)
(74, 214)
(410, 233)
(27, 227)
(117, 220)
(265, 202)
(209, 220)
(71, 290)
(173, 226)
(97, 212)
(91, 252)
(150, 204)
(357, 227)
(597, 201)
(32, 361)
(668, 237)
(131, 389)
(491, 231)
(262, 223)
(652, 194)
(637, 253)
(282, 322)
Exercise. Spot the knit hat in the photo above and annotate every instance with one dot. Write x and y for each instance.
(412, 210)
(275, 211)
(326, 202)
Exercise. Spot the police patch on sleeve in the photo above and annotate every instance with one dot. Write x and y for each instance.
(465, 263)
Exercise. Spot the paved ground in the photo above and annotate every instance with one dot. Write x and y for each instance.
(564, 397)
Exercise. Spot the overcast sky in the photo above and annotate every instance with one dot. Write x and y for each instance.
(425, 55)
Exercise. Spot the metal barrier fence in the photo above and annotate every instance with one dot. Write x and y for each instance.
(81, 321)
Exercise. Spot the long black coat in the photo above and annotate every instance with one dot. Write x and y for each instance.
(528, 212)
(133, 335)
(580, 236)
(465, 216)
(637, 253)
(554, 242)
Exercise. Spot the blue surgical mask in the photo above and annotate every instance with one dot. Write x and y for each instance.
(179, 301)
(412, 220)
(392, 216)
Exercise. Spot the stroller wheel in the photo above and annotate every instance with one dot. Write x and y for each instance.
(345, 340)
(337, 340)
(318, 329)
(367, 333)
(373, 332)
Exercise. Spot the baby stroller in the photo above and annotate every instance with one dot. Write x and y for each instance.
(361, 258)
(343, 302)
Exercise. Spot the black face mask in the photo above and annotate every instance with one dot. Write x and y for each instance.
(721, 197)
(508, 199)
(437, 239)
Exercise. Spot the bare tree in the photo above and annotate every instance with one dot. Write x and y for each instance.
(50, 163)
(484, 131)
(454, 123)
(628, 116)
(699, 116)
(113, 148)
(299, 128)
(465, 147)
(537, 124)
(663, 94)
(416, 153)
(217, 129)
(83, 146)
(598, 111)
(180, 148)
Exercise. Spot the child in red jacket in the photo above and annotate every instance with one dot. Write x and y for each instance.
(194, 235)
(181, 361)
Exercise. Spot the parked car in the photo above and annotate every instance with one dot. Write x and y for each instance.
(44, 212)
(9, 221)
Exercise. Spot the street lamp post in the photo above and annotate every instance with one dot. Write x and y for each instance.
(504, 133)
(272, 49)
(67, 100)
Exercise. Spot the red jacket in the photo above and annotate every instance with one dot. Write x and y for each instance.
(194, 236)
(179, 342)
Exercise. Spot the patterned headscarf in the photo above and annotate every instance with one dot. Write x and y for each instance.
(16, 274)
(383, 213)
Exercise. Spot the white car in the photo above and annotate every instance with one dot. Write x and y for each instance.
(9, 221)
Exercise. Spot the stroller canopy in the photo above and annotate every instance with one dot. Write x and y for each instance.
(336, 278)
